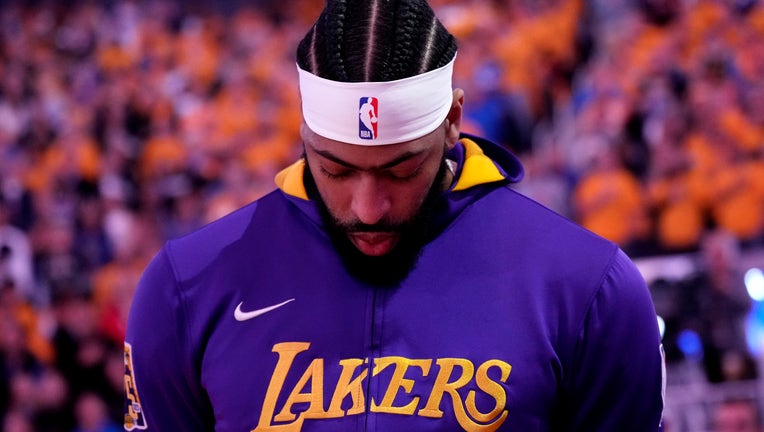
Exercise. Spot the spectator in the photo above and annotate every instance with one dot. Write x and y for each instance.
(92, 415)
(16, 421)
(679, 196)
(738, 198)
(608, 200)
(82, 351)
(15, 256)
(736, 415)
(723, 305)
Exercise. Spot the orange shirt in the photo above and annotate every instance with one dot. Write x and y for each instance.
(610, 204)
(163, 153)
(739, 198)
(747, 136)
(679, 204)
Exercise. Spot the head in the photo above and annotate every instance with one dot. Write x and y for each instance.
(720, 251)
(377, 191)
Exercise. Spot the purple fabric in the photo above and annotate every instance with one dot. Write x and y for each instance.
(515, 319)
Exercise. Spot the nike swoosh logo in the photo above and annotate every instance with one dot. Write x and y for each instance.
(240, 315)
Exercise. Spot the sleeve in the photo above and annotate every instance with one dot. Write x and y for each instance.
(617, 380)
(162, 385)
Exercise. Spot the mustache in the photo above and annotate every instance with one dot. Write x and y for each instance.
(358, 226)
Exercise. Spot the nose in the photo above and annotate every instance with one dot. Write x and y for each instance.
(370, 202)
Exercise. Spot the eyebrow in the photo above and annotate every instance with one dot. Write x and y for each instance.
(398, 160)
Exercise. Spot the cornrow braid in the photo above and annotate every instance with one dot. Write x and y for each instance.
(406, 39)
(375, 40)
(334, 29)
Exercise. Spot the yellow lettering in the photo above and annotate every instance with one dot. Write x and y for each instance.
(309, 390)
(130, 397)
(398, 381)
(315, 397)
(287, 352)
(499, 412)
(134, 415)
(442, 385)
(347, 387)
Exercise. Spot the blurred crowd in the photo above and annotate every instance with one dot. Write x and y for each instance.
(650, 128)
(125, 123)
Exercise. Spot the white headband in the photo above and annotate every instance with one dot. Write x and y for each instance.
(377, 113)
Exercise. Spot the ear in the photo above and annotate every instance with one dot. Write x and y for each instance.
(454, 119)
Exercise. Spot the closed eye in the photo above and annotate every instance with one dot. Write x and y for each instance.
(392, 174)
(403, 167)
(403, 174)
(336, 174)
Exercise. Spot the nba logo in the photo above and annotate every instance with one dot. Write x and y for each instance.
(367, 118)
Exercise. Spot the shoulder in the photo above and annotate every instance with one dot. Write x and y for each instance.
(203, 247)
(540, 230)
(566, 261)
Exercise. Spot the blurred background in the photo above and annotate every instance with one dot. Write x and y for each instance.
(125, 123)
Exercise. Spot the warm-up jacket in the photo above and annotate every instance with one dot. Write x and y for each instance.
(514, 319)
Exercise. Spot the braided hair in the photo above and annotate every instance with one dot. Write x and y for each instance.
(375, 40)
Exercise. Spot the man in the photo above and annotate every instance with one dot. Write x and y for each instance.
(736, 415)
(393, 282)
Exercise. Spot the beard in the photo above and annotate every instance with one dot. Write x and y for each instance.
(391, 268)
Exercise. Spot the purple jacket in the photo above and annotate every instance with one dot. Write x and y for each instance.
(514, 319)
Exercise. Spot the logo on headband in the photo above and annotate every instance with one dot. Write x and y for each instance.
(367, 118)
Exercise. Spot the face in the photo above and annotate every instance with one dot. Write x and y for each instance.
(376, 198)
(371, 190)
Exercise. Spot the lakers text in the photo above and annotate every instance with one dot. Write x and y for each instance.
(451, 375)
